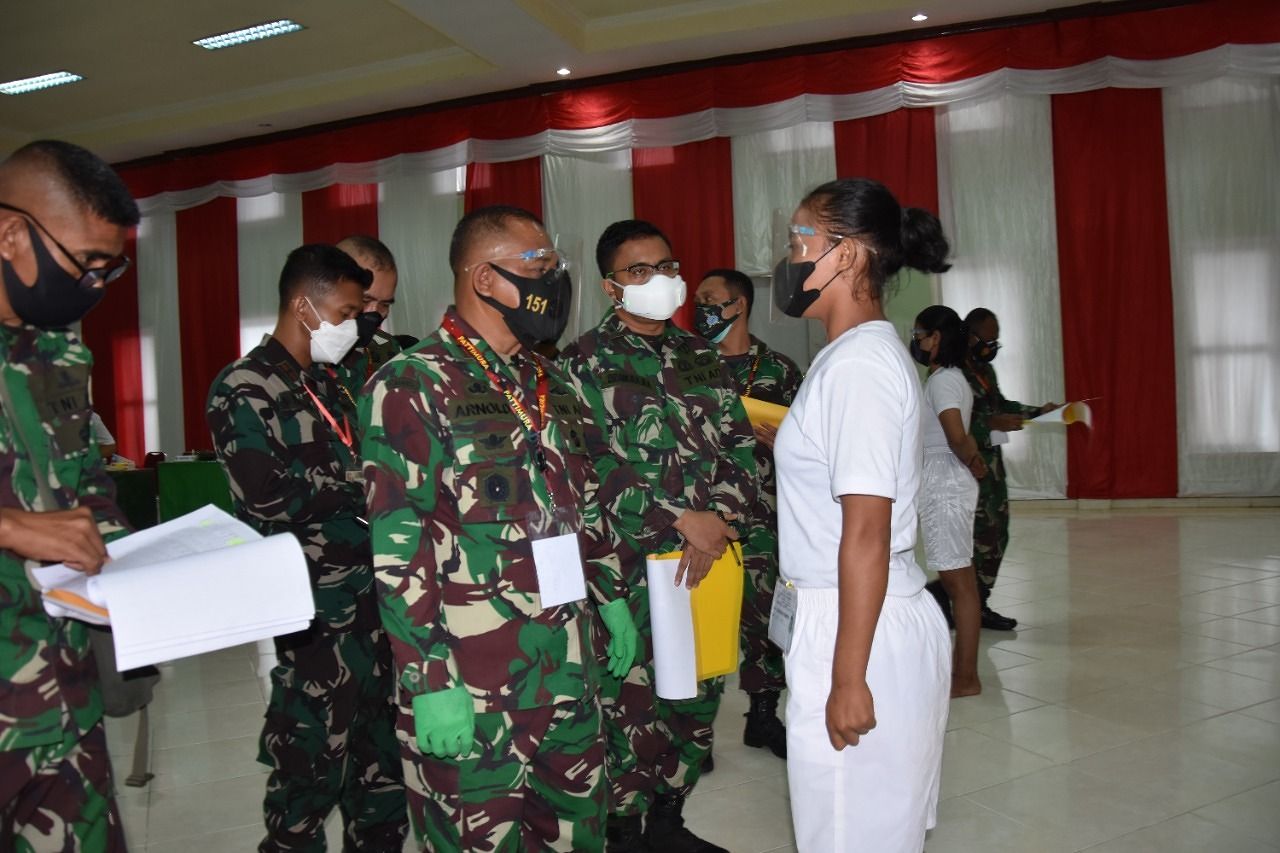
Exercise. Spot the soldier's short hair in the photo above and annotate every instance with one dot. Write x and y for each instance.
(619, 233)
(85, 176)
(481, 223)
(371, 249)
(738, 284)
(315, 269)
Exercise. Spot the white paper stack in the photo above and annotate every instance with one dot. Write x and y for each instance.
(195, 584)
(675, 665)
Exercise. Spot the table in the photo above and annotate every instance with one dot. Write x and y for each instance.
(186, 486)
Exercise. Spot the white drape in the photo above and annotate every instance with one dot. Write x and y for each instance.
(268, 227)
(417, 212)
(772, 171)
(159, 335)
(995, 188)
(1222, 167)
(581, 195)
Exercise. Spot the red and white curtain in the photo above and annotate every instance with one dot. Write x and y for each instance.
(1110, 186)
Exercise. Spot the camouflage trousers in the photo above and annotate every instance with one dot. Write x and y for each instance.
(761, 670)
(58, 798)
(653, 746)
(329, 736)
(991, 522)
(533, 781)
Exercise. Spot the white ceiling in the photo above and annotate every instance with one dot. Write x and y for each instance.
(147, 89)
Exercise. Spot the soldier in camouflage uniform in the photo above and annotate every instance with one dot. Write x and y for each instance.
(991, 411)
(374, 347)
(677, 464)
(475, 447)
(283, 428)
(724, 302)
(63, 219)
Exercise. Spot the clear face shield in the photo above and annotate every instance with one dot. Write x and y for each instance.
(799, 248)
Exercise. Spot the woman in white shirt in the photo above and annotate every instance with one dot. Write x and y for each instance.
(867, 651)
(949, 484)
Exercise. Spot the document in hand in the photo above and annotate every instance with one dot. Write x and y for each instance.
(200, 582)
(1072, 413)
(762, 413)
(695, 633)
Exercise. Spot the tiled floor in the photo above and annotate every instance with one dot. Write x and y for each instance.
(1137, 708)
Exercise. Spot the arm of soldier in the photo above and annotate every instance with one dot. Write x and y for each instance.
(98, 493)
(633, 511)
(403, 454)
(735, 481)
(252, 453)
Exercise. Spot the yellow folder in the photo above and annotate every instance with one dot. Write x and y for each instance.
(717, 613)
(762, 413)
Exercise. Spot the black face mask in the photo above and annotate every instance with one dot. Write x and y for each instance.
(919, 353)
(366, 324)
(710, 322)
(984, 352)
(788, 285)
(544, 305)
(56, 300)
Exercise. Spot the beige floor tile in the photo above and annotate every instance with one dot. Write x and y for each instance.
(1064, 801)
(204, 809)
(1139, 707)
(205, 725)
(1240, 738)
(965, 827)
(1171, 774)
(1053, 681)
(177, 698)
(972, 761)
(1243, 631)
(990, 704)
(1184, 834)
(1270, 615)
(1262, 664)
(765, 824)
(196, 763)
(1269, 711)
(240, 840)
(1059, 734)
(1254, 813)
(1216, 687)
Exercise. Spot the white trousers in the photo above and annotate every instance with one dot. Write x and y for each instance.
(881, 795)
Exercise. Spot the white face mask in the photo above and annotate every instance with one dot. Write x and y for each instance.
(329, 343)
(656, 299)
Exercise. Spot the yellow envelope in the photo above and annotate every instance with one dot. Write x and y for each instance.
(762, 413)
(717, 613)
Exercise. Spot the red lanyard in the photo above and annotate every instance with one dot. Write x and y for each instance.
(343, 432)
(532, 426)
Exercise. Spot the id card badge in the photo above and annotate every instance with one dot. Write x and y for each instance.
(355, 475)
(556, 556)
(782, 616)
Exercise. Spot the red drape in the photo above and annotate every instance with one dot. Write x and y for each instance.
(687, 191)
(517, 183)
(208, 306)
(898, 149)
(1116, 292)
(338, 211)
(111, 332)
(1141, 35)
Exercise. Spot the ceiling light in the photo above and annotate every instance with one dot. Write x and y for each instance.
(261, 31)
(34, 84)
(563, 72)
(919, 16)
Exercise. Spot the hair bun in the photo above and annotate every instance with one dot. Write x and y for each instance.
(924, 247)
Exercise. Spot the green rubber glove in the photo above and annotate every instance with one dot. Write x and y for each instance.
(623, 636)
(445, 722)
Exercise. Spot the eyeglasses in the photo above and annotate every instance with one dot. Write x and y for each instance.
(641, 273)
(528, 256)
(89, 277)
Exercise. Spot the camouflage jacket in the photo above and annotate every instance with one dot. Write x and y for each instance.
(452, 486)
(290, 471)
(674, 434)
(768, 375)
(988, 401)
(362, 362)
(48, 681)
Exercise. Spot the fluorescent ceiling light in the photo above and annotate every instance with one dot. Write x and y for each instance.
(33, 84)
(919, 17)
(261, 31)
(563, 72)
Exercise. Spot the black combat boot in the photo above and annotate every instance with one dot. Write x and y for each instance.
(623, 835)
(992, 620)
(764, 729)
(664, 830)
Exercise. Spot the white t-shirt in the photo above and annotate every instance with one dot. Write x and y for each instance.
(945, 389)
(854, 429)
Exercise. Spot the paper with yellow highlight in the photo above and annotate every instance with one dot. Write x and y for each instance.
(695, 633)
